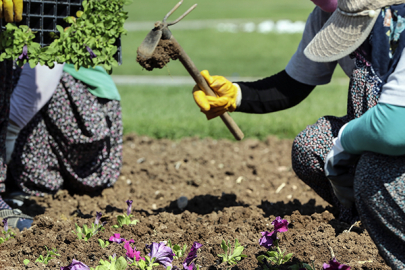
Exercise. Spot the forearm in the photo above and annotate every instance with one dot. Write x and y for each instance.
(271, 94)
(381, 130)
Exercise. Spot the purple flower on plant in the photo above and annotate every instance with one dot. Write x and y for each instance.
(116, 237)
(98, 217)
(188, 263)
(132, 253)
(268, 239)
(280, 225)
(129, 209)
(5, 224)
(24, 54)
(335, 265)
(162, 254)
(75, 265)
(92, 54)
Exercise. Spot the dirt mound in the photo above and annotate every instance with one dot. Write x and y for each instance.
(234, 190)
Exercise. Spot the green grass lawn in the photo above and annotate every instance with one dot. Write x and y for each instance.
(170, 112)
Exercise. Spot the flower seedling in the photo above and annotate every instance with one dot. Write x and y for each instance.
(115, 264)
(132, 255)
(48, 256)
(26, 262)
(177, 250)
(302, 266)
(270, 241)
(126, 219)
(335, 265)
(7, 232)
(332, 265)
(103, 244)
(229, 256)
(85, 233)
(188, 263)
(116, 238)
(75, 265)
(159, 254)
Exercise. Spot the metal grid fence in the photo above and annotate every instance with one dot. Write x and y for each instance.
(43, 16)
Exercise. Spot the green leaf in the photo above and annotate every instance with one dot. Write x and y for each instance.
(224, 247)
(121, 264)
(260, 258)
(287, 257)
(26, 261)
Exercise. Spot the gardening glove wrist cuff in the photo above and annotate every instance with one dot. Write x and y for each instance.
(338, 162)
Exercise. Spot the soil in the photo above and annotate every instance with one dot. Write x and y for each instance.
(165, 50)
(234, 190)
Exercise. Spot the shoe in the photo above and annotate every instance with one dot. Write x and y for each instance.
(17, 197)
(16, 218)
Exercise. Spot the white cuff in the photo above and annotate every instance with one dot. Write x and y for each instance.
(238, 95)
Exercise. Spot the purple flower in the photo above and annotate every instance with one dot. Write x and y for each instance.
(92, 54)
(280, 225)
(116, 237)
(188, 263)
(129, 209)
(268, 239)
(132, 253)
(98, 216)
(75, 265)
(5, 224)
(24, 54)
(162, 254)
(335, 265)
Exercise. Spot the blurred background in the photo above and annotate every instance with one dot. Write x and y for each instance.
(238, 39)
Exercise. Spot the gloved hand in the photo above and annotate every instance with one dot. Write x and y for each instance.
(337, 165)
(226, 99)
(12, 10)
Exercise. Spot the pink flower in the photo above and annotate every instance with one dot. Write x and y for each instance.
(280, 225)
(116, 237)
(132, 253)
(335, 265)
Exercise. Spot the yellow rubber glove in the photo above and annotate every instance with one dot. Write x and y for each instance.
(11, 10)
(225, 100)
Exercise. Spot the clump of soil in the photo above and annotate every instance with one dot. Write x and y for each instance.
(234, 190)
(165, 50)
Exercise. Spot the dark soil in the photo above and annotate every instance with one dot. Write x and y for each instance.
(235, 190)
(165, 50)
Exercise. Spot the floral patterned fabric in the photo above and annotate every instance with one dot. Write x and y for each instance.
(74, 142)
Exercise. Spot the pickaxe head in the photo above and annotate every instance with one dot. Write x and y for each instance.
(160, 31)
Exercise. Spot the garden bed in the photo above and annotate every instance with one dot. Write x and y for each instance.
(234, 190)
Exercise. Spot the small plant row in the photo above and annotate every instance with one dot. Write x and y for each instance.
(88, 41)
(165, 252)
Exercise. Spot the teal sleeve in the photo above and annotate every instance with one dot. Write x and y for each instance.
(97, 79)
(381, 130)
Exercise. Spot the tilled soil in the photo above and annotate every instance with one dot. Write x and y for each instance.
(234, 190)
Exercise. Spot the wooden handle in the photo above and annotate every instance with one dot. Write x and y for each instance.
(202, 83)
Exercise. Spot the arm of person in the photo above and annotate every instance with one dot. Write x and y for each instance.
(278, 92)
(381, 129)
